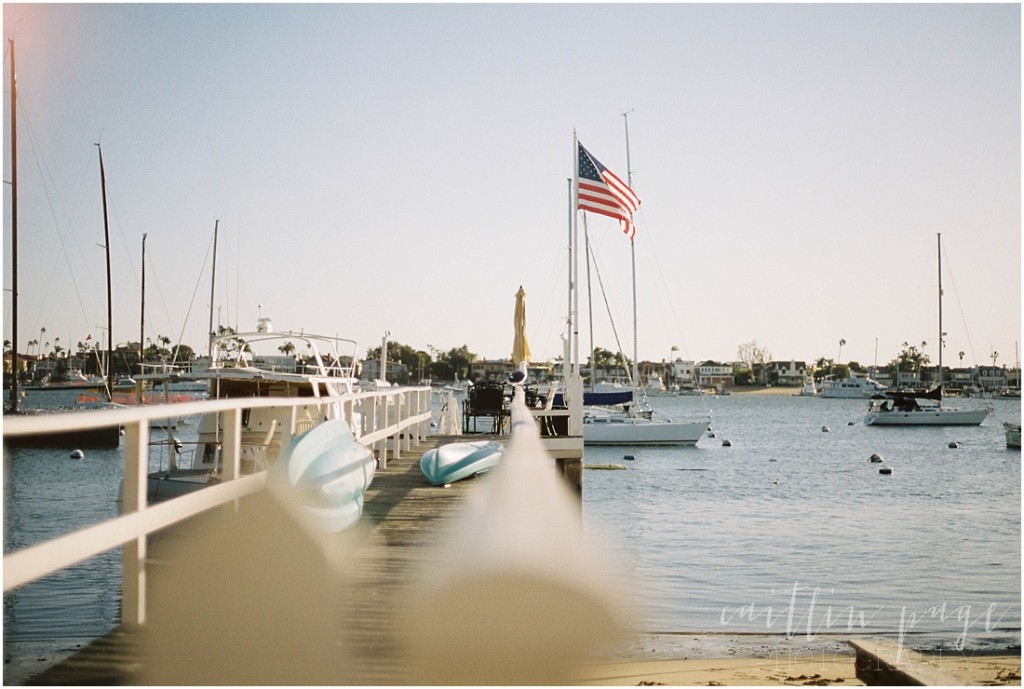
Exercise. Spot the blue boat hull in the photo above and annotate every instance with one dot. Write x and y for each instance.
(606, 398)
(456, 461)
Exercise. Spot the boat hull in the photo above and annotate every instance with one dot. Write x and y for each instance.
(103, 437)
(325, 471)
(1012, 431)
(456, 461)
(931, 417)
(640, 431)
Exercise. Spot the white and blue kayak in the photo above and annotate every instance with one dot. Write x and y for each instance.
(456, 461)
(326, 471)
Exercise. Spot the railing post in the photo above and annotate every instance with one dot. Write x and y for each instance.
(133, 553)
(382, 445)
(418, 428)
(397, 423)
(231, 445)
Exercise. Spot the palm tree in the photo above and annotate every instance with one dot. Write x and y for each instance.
(842, 341)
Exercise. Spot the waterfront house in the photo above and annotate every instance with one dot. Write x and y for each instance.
(712, 374)
(787, 373)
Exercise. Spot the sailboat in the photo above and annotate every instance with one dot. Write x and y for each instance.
(106, 436)
(922, 408)
(598, 190)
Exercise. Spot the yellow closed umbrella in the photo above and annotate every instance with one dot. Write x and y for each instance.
(520, 346)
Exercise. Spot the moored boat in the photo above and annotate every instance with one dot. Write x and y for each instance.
(636, 424)
(922, 408)
(603, 427)
(249, 365)
(1012, 431)
(456, 461)
(919, 408)
(854, 387)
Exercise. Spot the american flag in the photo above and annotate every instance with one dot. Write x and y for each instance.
(600, 191)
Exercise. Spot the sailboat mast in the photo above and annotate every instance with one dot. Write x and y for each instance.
(110, 309)
(590, 306)
(14, 236)
(213, 286)
(142, 309)
(941, 334)
(632, 254)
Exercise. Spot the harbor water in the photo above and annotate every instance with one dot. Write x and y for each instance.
(782, 524)
(786, 529)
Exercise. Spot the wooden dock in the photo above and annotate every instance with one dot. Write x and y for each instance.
(402, 517)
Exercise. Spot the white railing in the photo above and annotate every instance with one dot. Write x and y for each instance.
(386, 421)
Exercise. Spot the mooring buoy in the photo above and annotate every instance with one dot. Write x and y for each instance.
(628, 458)
(824, 429)
(726, 443)
(885, 470)
(954, 445)
(77, 454)
(876, 458)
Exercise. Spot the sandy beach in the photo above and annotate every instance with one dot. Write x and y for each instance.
(752, 660)
(761, 390)
(822, 670)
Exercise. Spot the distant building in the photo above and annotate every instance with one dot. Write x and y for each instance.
(992, 378)
(712, 374)
(786, 373)
(497, 370)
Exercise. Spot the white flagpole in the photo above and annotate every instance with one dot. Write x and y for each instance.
(573, 250)
(574, 386)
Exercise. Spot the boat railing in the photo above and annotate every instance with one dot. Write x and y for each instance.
(388, 421)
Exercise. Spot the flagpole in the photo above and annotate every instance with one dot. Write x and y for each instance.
(567, 363)
(574, 385)
(573, 251)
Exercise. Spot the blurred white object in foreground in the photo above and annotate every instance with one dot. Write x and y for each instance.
(514, 595)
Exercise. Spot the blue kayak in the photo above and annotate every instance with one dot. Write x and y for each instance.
(456, 461)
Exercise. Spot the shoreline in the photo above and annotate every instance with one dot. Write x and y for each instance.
(784, 391)
(766, 660)
(821, 670)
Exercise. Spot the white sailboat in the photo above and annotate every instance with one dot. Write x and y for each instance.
(923, 408)
(598, 190)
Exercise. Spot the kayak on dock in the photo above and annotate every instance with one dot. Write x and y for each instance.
(456, 461)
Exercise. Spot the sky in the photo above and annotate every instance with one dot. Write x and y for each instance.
(402, 169)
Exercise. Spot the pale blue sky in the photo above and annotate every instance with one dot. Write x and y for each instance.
(403, 167)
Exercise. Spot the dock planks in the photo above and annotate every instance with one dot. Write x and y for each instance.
(403, 516)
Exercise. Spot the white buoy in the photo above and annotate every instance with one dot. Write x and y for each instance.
(77, 454)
